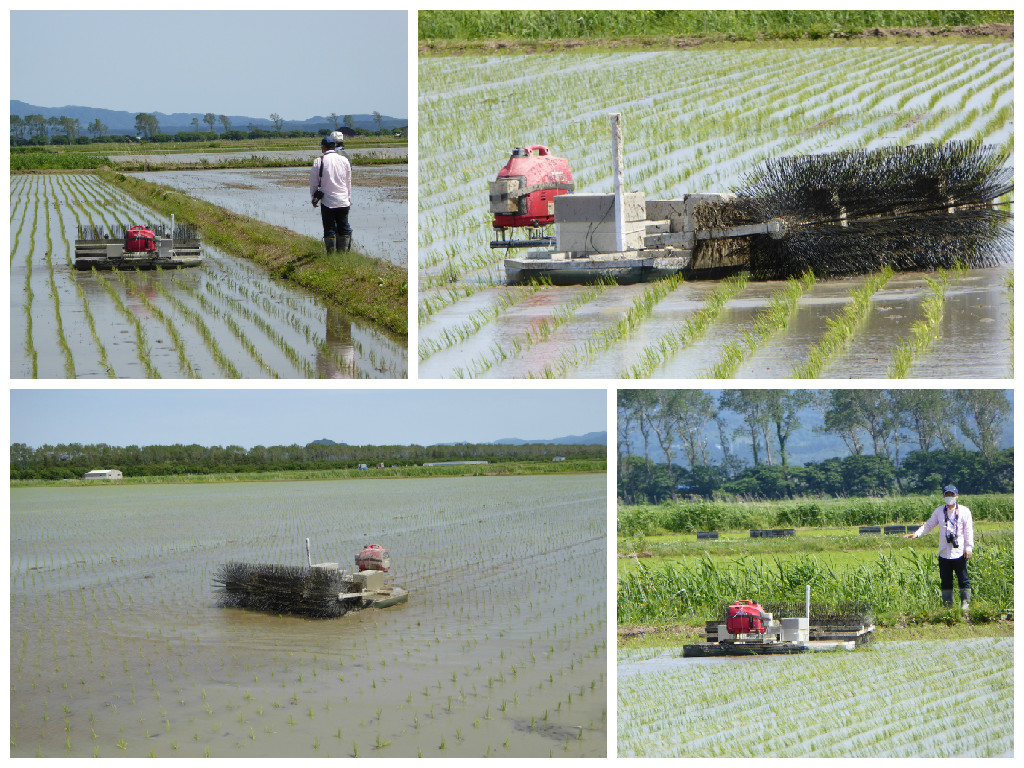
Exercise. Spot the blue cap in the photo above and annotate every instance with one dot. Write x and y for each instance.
(950, 489)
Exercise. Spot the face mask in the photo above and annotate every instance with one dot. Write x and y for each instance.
(950, 501)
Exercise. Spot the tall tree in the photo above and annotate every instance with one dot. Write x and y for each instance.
(210, 119)
(225, 121)
(195, 123)
(146, 125)
(696, 409)
(752, 404)
(925, 413)
(97, 128)
(843, 417)
(36, 125)
(334, 119)
(277, 121)
(664, 413)
(784, 411)
(349, 122)
(981, 415)
(380, 120)
(18, 127)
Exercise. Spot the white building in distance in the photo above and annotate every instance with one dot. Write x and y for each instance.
(104, 474)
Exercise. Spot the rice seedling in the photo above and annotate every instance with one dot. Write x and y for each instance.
(841, 330)
(923, 332)
(863, 722)
(781, 307)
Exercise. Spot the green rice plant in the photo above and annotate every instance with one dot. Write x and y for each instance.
(840, 331)
(655, 355)
(781, 307)
(924, 331)
(132, 289)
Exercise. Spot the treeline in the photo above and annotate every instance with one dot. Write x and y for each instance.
(920, 472)
(876, 426)
(182, 137)
(58, 462)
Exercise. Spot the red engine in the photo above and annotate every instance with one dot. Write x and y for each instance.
(746, 616)
(138, 239)
(523, 194)
(373, 558)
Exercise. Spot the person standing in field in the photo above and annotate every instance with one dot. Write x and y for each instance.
(330, 187)
(956, 543)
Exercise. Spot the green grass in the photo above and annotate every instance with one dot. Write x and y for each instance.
(897, 578)
(361, 286)
(690, 517)
(719, 24)
(845, 546)
(65, 161)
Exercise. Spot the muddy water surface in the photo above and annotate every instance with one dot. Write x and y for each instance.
(972, 341)
(119, 649)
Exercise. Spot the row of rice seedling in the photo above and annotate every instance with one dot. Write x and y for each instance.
(501, 650)
(542, 332)
(841, 329)
(781, 307)
(887, 700)
(300, 336)
(924, 331)
(694, 120)
(601, 339)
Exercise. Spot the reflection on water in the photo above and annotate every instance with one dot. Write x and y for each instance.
(972, 340)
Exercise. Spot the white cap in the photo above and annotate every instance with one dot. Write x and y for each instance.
(337, 137)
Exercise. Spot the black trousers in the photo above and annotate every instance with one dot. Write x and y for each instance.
(958, 566)
(335, 221)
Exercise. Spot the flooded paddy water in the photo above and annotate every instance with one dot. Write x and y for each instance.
(226, 318)
(118, 647)
(886, 699)
(379, 216)
(972, 341)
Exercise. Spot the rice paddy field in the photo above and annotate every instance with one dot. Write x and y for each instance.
(891, 699)
(225, 319)
(118, 647)
(699, 120)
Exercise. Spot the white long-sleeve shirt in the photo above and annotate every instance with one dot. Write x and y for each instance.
(959, 521)
(336, 183)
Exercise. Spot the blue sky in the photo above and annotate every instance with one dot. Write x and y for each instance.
(249, 417)
(252, 63)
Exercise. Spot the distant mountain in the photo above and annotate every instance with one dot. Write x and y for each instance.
(591, 438)
(124, 122)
